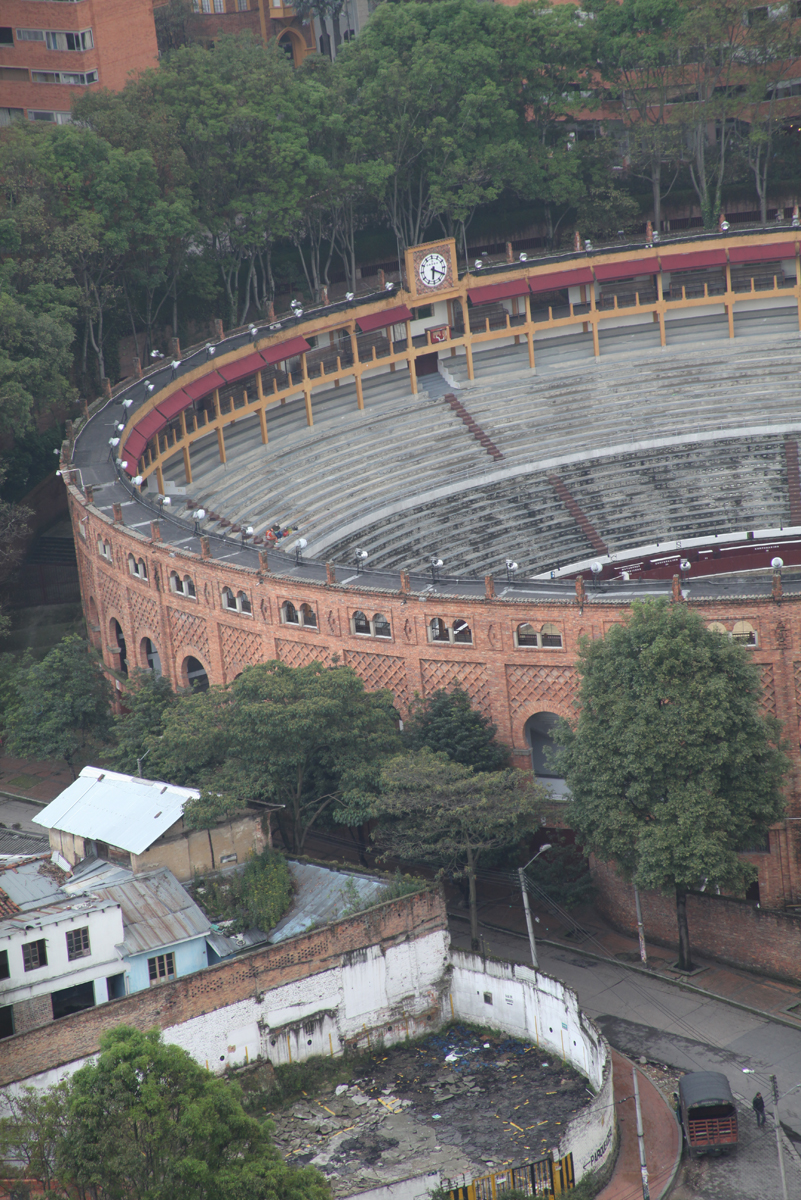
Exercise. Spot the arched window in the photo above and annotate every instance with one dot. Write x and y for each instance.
(150, 656)
(462, 632)
(189, 587)
(381, 626)
(438, 630)
(289, 614)
(194, 674)
(132, 567)
(142, 569)
(526, 635)
(308, 617)
(175, 582)
(718, 627)
(744, 633)
(104, 549)
(118, 645)
(228, 598)
(539, 731)
(360, 624)
(551, 635)
(242, 602)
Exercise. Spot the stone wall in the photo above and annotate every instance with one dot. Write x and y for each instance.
(733, 931)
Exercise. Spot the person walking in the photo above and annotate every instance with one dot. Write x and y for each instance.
(759, 1108)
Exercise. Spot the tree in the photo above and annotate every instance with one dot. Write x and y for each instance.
(671, 766)
(433, 810)
(144, 1121)
(31, 1131)
(14, 526)
(63, 709)
(305, 739)
(147, 699)
(447, 723)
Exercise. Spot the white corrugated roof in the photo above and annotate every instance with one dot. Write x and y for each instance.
(121, 810)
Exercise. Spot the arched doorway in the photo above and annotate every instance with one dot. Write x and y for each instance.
(150, 656)
(293, 47)
(118, 639)
(539, 736)
(195, 675)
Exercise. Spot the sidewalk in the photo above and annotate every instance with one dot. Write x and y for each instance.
(770, 997)
(662, 1137)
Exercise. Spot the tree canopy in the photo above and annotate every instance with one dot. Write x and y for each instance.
(446, 722)
(672, 767)
(144, 1121)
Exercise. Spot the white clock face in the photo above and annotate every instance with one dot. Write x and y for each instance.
(433, 270)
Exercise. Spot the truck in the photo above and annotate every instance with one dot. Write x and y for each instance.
(708, 1113)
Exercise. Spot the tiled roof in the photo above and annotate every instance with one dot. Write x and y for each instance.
(7, 906)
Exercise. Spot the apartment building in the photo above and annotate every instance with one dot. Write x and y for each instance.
(52, 50)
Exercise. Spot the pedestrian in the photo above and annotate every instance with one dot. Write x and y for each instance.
(759, 1108)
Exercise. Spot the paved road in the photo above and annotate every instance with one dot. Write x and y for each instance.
(668, 1025)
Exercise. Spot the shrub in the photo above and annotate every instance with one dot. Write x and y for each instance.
(256, 897)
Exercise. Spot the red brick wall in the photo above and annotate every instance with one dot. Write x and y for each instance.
(74, 1037)
(732, 931)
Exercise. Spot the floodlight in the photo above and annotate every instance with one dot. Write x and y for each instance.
(301, 543)
(139, 480)
(777, 563)
(120, 427)
(200, 514)
(685, 565)
(176, 362)
(275, 325)
(113, 441)
(436, 562)
(253, 331)
(524, 257)
(56, 451)
(510, 565)
(478, 264)
(151, 387)
(124, 466)
(389, 286)
(156, 354)
(596, 568)
(127, 403)
(361, 555)
(348, 295)
(58, 473)
(298, 312)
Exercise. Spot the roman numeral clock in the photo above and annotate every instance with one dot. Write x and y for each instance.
(431, 272)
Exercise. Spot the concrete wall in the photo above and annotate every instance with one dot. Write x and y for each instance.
(189, 957)
(534, 1006)
(188, 852)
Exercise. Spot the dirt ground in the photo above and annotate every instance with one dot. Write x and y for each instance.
(460, 1102)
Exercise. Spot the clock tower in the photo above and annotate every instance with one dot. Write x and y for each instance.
(431, 272)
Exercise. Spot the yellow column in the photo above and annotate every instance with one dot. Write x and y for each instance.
(468, 349)
(160, 478)
(410, 352)
(529, 332)
(306, 390)
(730, 300)
(221, 444)
(187, 465)
(660, 312)
(354, 349)
(263, 424)
(596, 345)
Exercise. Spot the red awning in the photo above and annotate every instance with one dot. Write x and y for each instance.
(170, 407)
(498, 291)
(202, 387)
(241, 369)
(560, 279)
(693, 262)
(150, 425)
(627, 270)
(740, 254)
(380, 320)
(284, 350)
(134, 448)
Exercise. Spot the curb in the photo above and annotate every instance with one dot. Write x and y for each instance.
(680, 1151)
(677, 983)
(25, 799)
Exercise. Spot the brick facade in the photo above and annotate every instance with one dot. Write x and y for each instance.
(507, 683)
(734, 931)
(169, 1004)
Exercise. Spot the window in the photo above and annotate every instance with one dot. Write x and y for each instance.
(7, 115)
(379, 626)
(4, 969)
(551, 635)
(305, 616)
(81, 40)
(6, 35)
(57, 118)
(30, 35)
(438, 631)
(219, 6)
(7, 1021)
(718, 627)
(361, 625)
(74, 78)
(182, 587)
(236, 603)
(242, 5)
(14, 74)
(34, 955)
(526, 635)
(138, 569)
(78, 943)
(744, 633)
(161, 967)
(189, 587)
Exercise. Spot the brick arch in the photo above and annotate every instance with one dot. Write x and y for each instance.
(182, 672)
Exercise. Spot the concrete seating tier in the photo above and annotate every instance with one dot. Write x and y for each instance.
(651, 445)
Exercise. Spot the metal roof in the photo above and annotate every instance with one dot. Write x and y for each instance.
(13, 843)
(121, 810)
(322, 896)
(32, 883)
(156, 912)
(705, 1087)
(51, 914)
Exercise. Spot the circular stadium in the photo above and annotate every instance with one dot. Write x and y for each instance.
(449, 481)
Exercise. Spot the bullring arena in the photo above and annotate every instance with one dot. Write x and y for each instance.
(474, 471)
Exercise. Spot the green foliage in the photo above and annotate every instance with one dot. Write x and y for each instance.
(255, 898)
(447, 723)
(671, 765)
(563, 874)
(402, 885)
(146, 1122)
(30, 460)
(63, 707)
(147, 700)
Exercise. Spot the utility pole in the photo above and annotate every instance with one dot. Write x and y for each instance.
(640, 927)
(779, 1135)
(646, 1195)
(529, 923)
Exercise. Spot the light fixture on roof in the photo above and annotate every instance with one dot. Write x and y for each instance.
(511, 567)
(123, 464)
(156, 354)
(139, 480)
(151, 387)
(113, 441)
(175, 364)
(127, 403)
(685, 566)
(524, 257)
(247, 532)
(436, 563)
(298, 311)
(198, 515)
(389, 285)
(348, 295)
(587, 244)
(56, 451)
(120, 427)
(253, 331)
(478, 264)
(300, 546)
(596, 568)
(777, 563)
(210, 350)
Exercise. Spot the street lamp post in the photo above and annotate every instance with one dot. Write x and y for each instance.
(521, 871)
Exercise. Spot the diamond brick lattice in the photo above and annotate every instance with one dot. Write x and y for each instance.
(298, 654)
(188, 630)
(109, 592)
(143, 610)
(768, 702)
(537, 686)
(381, 671)
(469, 676)
(241, 647)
